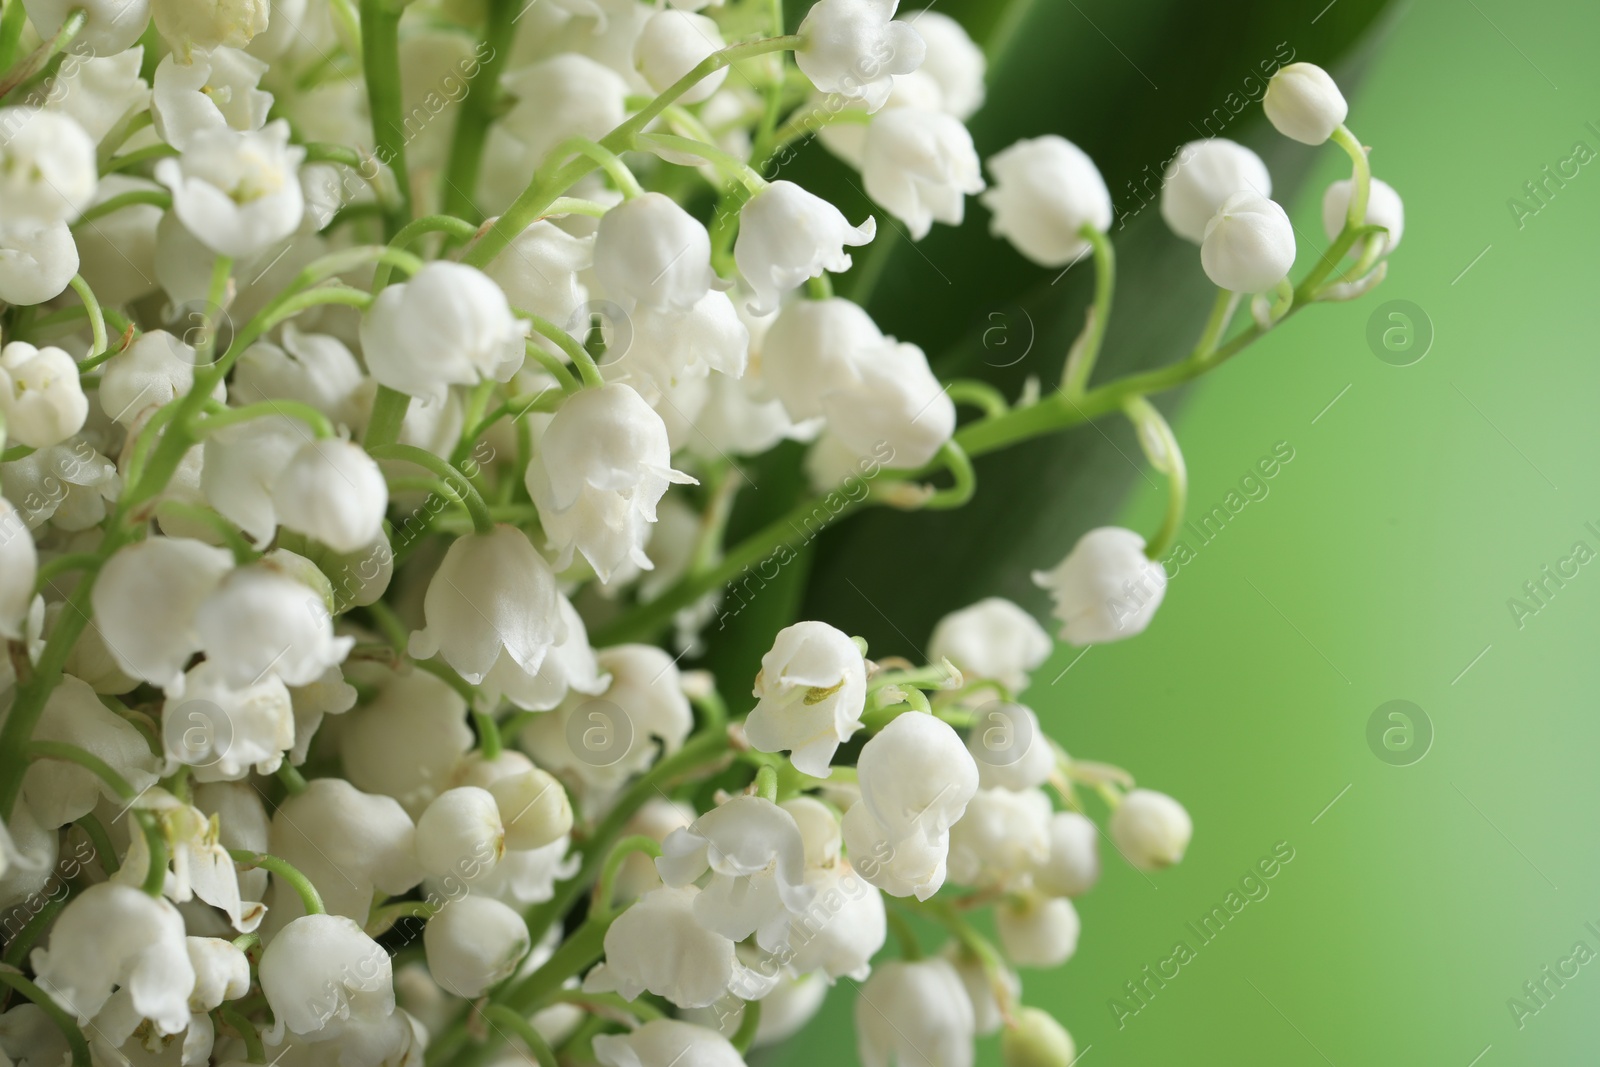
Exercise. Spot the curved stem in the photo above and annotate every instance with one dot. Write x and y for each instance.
(1360, 176)
(309, 897)
(246, 1030)
(980, 394)
(729, 165)
(1161, 448)
(587, 369)
(70, 28)
(966, 480)
(69, 1029)
(72, 561)
(460, 229)
(606, 160)
(749, 1023)
(1222, 309)
(421, 457)
(294, 409)
(602, 902)
(91, 307)
(243, 551)
(1080, 365)
(498, 1015)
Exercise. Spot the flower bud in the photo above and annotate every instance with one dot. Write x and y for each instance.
(322, 971)
(1045, 191)
(671, 44)
(40, 397)
(1106, 589)
(147, 374)
(1036, 1040)
(1151, 829)
(914, 1013)
(19, 567)
(206, 24)
(47, 165)
(1303, 102)
(264, 619)
(460, 834)
(474, 943)
(954, 62)
(111, 26)
(787, 235)
(1073, 866)
(853, 49)
(567, 95)
(993, 639)
(1038, 931)
(1248, 245)
(407, 740)
(333, 491)
(650, 251)
(666, 1043)
(533, 807)
(36, 262)
(1200, 179)
(221, 972)
(920, 165)
(1384, 208)
(146, 599)
(916, 776)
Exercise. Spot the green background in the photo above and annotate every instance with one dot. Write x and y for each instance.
(1379, 567)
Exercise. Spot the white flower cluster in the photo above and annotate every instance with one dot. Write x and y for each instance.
(354, 456)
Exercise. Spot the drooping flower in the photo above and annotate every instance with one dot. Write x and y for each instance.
(751, 856)
(920, 165)
(333, 491)
(1304, 103)
(321, 974)
(1106, 588)
(811, 690)
(47, 166)
(650, 251)
(41, 398)
(992, 639)
(665, 1043)
(1046, 190)
(1151, 829)
(1249, 244)
(237, 191)
(1201, 178)
(914, 1013)
(671, 44)
(787, 235)
(1384, 208)
(146, 601)
(474, 943)
(855, 48)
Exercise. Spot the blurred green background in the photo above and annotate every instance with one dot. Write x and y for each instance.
(1419, 501)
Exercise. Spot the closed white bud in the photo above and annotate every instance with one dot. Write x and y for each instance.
(920, 165)
(914, 1013)
(650, 251)
(460, 834)
(811, 691)
(221, 972)
(1303, 102)
(1001, 836)
(152, 371)
(533, 808)
(238, 192)
(916, 776)
(1037, 1040)
(1106, 588)
(36, 262)
(1384, 208)
(322, 972)
(1037, 931)
(787, 235)
(1073, 865)
(539, 273)
(1248, 245)
(47, 166)
(332, 491)
(313, 368)
(406, 742)
(264, 619)
(474, 943)
(993, 639)
(19, 567)
(666, 1043)
(854, 49)
(1046, 190)
(146, 599)
(671, 44)
(448, 325)
(40, 396)
(813, 347)
(954, 62)
(1151, 829)
(1200, 179)
(567, 95)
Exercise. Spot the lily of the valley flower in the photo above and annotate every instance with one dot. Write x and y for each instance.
(237, 191)
(1201, 178)
(1045, 191)
(914, 1013)
(854, 49)
(1249, 244)
(1106, 588)
(787, 235)
(40, 397)
(811, 690)
(1303, 102)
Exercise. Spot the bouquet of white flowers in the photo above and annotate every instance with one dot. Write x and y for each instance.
(368, 477)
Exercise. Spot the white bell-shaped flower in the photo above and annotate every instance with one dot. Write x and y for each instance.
(145, 603)
(474, 943)
(658, 945)
(114, 935)
(322, 972)
(894, 407)
(567, 95)
(117, 255)
(262, 620)
(813, 347)
(1304, 103)
(237, 191)
(539, 273)
(460, 834)
(221, 972)
(1384, 208)
(603, 464)
(601, 741)
(993, 639)
(1000, 838)
(668, 347)
(982, 984)
(649, 251)
(854, 49)
(448, 325)
(216, 90)
(1046, 189)
(47, 166)
(533, 807)
(811, 691)
(1200, 179)
(493, 596)
(787, 235)
(914, 1013)
(221, 731)
(671, 44)
(149, 373)
(569, 666)
(839, 934)
(350, 844)
(1037, 931)
(313, 368)
(1073, 865)
(526, 877)
(911, 866)
(36, 262)
(920, 165)
(200, 864)
(111, 26)
(954, 62)
(1151, 829)
(1249, 244)
(916, 776)
(666, 1043)
(58, 791)
(1010, 747)
(19, 569)
(333, 491)
(241, 466)
(756, 861)
(188, 26)
(40, 396)
(406, 741)
(1106, 588)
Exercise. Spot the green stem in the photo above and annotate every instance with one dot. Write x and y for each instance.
(380, 51)
(587, 370)
(155, 197)
(389, 409)
(1222, 309)
(460, 229)
(640, 1009)
(584, 947)
(100, 841)
(766, 783)
(498, 1015)
(602, 896)
(243, 551)
(729, 165)
(1360, 176)
(488, 735)
(421, 457)
(91, 307)
(70, 28)
(246, 1031)
(1079, 369)
(17, 951)
(904, 935)
(309, 897)
(294, 409)
(130, 160)
(69, 1029)
(966, 480)
(980, 394)
(11, 25)
(477, 109)
(72, 561)
(1161, 448)
(749, 1023)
